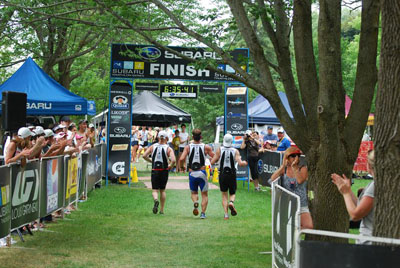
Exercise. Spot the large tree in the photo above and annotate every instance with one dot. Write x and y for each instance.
(387, 132)
(315, 91)
(312, 83)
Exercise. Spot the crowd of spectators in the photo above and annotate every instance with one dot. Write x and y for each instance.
(143, 137)
(34, 142)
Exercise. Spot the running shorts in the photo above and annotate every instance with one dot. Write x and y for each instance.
(228, 182)
(159, 179)
(198, 179)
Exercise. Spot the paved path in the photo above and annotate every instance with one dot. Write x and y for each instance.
(175, 183)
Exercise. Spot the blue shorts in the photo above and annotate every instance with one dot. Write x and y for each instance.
(198, 179)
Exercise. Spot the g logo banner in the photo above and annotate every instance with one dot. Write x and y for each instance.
(118, 168)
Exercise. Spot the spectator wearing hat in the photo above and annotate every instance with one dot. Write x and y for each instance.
(294, 178)
(65, 121)
(228, 157)
(91, 134)
(18, 149)
(270, 136)
(252, 143)
(160, 153)
(283, 142)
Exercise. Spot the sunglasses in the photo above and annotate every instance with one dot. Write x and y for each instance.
(294, 155)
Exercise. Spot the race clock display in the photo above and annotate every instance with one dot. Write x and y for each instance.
(178, 91)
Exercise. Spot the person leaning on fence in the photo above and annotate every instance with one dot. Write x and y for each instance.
(160, 152)
(252, 143)
(228, 157)
(20, 147)
(294, 178)
(361, 208)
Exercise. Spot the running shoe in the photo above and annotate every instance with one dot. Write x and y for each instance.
(161, 212)
(196, 208)
(155, 208)
(202, 215)
(232, 208)
(226, 216)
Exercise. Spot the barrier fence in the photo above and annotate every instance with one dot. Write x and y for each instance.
(290, 250)
(45, 186)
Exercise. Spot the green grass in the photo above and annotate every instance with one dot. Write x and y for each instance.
(116, 228)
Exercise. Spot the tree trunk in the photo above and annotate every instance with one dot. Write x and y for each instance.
(327, 207)
(387, 132)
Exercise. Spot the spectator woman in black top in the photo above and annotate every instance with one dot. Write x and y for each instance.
(252, 143)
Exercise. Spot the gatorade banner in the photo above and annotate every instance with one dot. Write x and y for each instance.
(25, 194)
(148, 61)
(72, 180)
(93, 169)
(120, 122)
(5, 201)
(284, 227)
(269, 162)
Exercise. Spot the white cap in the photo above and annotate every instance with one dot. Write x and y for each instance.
(24, 132)
(228, 139)
(162, 134)
(280, 130)
(39, 130)
(48, 133)
(60, 135)
(91, 125)
(248, 132)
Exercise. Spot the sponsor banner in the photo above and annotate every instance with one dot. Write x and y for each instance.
(119, 129)
(49, 180)
(178, 91)
(82, 166)
(72, 180)
(236, 111)
(147, 86)
(284, 222)
(211, 88)
(93, 169)
(242, 171)
(25, 194)
(236, 121)
(148, 61)
(268, 163)
(5, 201)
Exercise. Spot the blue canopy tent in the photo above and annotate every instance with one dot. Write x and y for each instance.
(261, 112)
(45, 96)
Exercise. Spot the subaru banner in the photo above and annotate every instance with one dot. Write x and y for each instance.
(5, 201)
(120, 122)
(236, 121)
(236, 111)
(148, 61)
(267, 164)
(25, 194)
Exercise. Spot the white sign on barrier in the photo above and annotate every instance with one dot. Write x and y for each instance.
(285, 226)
